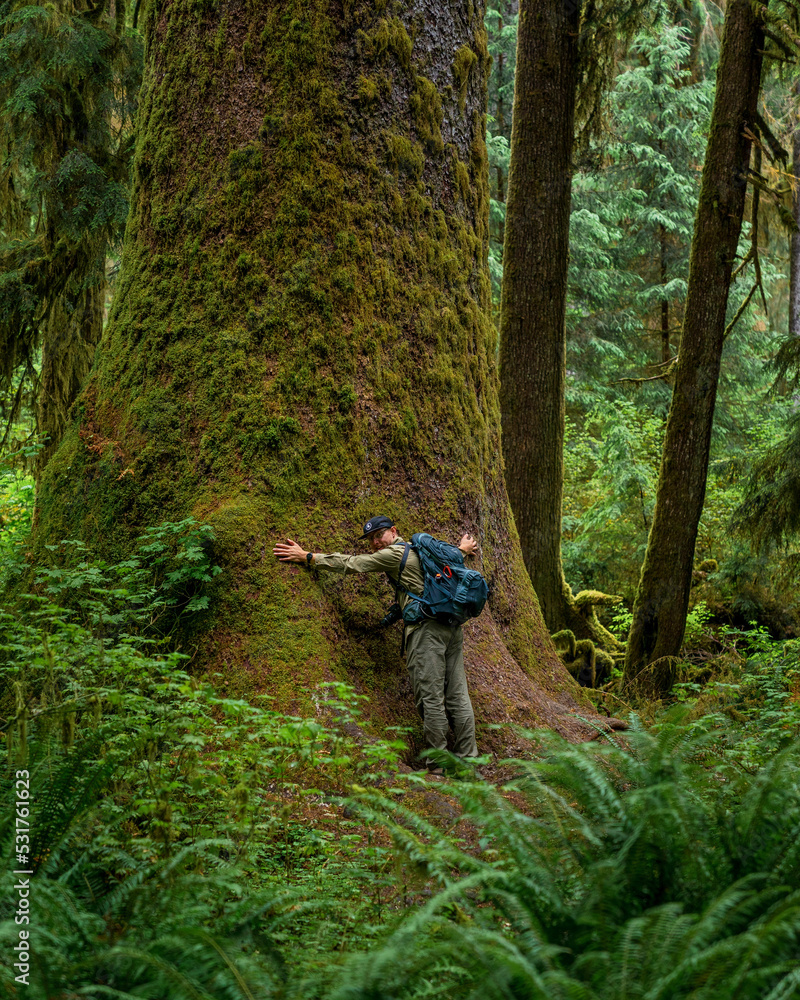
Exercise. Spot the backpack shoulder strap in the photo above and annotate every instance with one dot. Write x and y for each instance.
(407, 546)
(398, 586)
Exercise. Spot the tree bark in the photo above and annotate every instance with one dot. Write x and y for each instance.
(794, 245)
(659, 614)
(301, 339)
(535, 259)
(662, 246)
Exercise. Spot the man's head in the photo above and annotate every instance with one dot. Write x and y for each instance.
(379, 532)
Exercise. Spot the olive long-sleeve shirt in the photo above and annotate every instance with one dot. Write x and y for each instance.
(384, 561)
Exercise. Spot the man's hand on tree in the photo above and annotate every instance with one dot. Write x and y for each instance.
(468, 545)
(289, 551)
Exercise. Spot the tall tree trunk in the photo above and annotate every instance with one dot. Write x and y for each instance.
(535, 254)
(659, 614)
(794, 248)
(501, 115)
(301, 339)
(662, 246)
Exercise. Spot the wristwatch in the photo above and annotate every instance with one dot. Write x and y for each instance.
(309, 557)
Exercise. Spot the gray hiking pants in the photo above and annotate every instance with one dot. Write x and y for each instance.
(435, 659)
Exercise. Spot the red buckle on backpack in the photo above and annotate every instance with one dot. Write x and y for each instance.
(447, 571)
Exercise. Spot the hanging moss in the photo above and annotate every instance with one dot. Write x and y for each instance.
(389, 37)
(426, 107)
(565, 641)
(603, 666)
(589, 664)
(405, 156)
(463, 65)
(582, 664)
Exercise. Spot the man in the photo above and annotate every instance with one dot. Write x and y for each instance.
(434, 651)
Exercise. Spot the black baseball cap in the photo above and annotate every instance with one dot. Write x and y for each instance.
(378, 523)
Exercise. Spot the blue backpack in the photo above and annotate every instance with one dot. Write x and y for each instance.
(452, 592)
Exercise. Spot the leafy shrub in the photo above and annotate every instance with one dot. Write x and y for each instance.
(152, 795)
(147, 593)
(756, 682)
(16, 509)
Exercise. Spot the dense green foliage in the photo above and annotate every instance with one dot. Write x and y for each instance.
(635, 192)
(69, 77)
(150, 791)
(190, 844)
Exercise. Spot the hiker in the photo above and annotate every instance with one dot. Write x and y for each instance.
(434, 649)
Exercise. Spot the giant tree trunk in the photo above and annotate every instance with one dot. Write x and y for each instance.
(535, 257)
(659, 614)
(301, 339)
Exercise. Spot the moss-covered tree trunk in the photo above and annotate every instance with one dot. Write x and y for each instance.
(659, 614)
(794, 245)
(301, 339)
(535, 256)
(70, 335)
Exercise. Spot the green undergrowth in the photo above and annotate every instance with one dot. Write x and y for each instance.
(17, 492)
(749, 678)
(725, 676)
(189, 844)
(166, 820)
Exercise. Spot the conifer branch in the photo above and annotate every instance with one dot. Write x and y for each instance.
(759, 184)
(740, 311)
(785, 48)
(775, 147)
(668, 366)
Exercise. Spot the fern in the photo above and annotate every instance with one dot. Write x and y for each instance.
(641, 871)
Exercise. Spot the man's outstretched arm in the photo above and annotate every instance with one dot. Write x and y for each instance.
(387, 559)
(384, 561)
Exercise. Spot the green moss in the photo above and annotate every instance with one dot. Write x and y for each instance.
(220, 41)
(367, 90)
(426, 107)
(565, 640)
(461, 178)
(389, 37)
(404, 156)
(465, 60)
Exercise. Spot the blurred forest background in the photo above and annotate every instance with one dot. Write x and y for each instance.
(191, 844)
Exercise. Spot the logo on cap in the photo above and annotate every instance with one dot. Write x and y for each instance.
(368, 526)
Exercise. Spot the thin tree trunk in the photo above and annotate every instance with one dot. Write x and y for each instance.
(794, 251)
(69, 339)
(659, 614)
(665, 348)
(501, 117)
(535, 255)
(301, 339)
